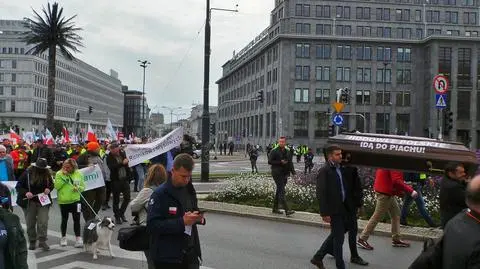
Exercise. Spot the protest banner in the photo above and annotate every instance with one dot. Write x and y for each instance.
(138, 153)
(92, 175)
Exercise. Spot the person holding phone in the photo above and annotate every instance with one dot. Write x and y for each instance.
(69, 182)
(173, 215)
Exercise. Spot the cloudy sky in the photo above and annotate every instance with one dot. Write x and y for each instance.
(170, 34)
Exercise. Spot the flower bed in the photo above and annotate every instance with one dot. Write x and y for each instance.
(259, 190)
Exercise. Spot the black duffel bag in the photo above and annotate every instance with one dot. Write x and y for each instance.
(134, 238)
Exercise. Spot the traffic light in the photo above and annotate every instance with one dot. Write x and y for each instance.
(331, 130)
(77, 115)
(345, 95)
(260, 97)
(448, 122)
(90, 109)
(212, 128)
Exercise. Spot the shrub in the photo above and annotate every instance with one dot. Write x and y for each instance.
(259, 190)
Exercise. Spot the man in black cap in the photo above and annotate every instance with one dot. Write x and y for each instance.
(42, 151)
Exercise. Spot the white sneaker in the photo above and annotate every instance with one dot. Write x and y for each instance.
(63, 242)
(79, 243)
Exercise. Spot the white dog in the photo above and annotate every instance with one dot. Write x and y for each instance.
(97, 235)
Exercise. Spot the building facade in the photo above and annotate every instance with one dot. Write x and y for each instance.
(23, 88)
(133, 119)
(196, 120)
(385, 52)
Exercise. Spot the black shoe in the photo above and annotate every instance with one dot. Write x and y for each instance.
(359, 261)
(123, 219)
(317, 263)
(44, 246)
(118, 221)
(276, 211)
(33, 245)
(289, 212)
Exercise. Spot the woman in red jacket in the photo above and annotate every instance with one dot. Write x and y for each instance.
(388, 184)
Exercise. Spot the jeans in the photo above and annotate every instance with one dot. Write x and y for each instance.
(140, 170)
(407, 201)
(280, 182)
(37, 221)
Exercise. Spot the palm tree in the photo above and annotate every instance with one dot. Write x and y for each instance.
(52, 32)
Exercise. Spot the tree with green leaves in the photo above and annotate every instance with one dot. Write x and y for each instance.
(50, 32)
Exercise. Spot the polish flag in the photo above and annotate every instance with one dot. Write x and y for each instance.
(172, 210)
(66, 135)
(14, 136)
(91, 137)
(48, 137)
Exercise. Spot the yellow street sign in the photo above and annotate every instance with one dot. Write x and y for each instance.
(338, 107)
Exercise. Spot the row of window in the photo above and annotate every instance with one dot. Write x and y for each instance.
(363, 75)
(251, 126)
(345, 52)
(11, 50)
(232, 110)
(380, 31)
(4, 77)
(384, 14)
(362, 97)
(250, 69)
(13, 90)
(12, 65)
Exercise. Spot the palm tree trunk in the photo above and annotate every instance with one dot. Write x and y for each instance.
(52, 57)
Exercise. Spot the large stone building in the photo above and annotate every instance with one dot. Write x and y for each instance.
(23, 88)
(196, 120)
(385, 52)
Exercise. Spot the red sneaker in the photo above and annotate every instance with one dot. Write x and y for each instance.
(364, 244)
(400, 244)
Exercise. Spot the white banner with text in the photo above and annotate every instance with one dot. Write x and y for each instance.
(138, 153)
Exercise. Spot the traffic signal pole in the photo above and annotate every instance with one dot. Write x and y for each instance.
(440, 123)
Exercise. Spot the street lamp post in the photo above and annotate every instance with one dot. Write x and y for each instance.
(171, 109)
(205, 169)
(143, 64)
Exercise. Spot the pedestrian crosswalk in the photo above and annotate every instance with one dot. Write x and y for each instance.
(59, 257)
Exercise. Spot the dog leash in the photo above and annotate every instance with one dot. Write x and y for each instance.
(86, 202)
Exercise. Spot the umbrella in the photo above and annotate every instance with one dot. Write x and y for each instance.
(406, 153)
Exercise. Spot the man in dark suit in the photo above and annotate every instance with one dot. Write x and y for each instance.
(337, 207)
(173, 216)
(461, 237)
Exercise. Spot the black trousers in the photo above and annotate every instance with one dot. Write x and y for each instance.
(254, 165)
(333, 245)
(280, 182)
(176, 266)
(108, 193)
(123, 187)
(95, 199)
(65, 210)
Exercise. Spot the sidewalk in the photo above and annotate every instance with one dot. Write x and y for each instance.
(311, 219)
(237, 156)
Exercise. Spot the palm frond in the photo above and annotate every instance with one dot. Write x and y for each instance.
(52, 28)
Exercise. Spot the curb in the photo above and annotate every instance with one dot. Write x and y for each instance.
(293, 220)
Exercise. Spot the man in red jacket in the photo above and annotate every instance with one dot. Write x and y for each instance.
(388, 184)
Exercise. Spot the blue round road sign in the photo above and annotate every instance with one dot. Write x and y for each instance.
(337, 119)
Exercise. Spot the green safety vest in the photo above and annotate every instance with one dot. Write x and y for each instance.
(423, 176)
(83, 151)
(69, 152)
(102, 153)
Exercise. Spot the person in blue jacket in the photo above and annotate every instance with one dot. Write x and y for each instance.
(172, 218)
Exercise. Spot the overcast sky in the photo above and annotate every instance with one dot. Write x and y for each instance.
(118, 33)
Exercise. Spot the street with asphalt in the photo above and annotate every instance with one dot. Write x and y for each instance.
(236, 237)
